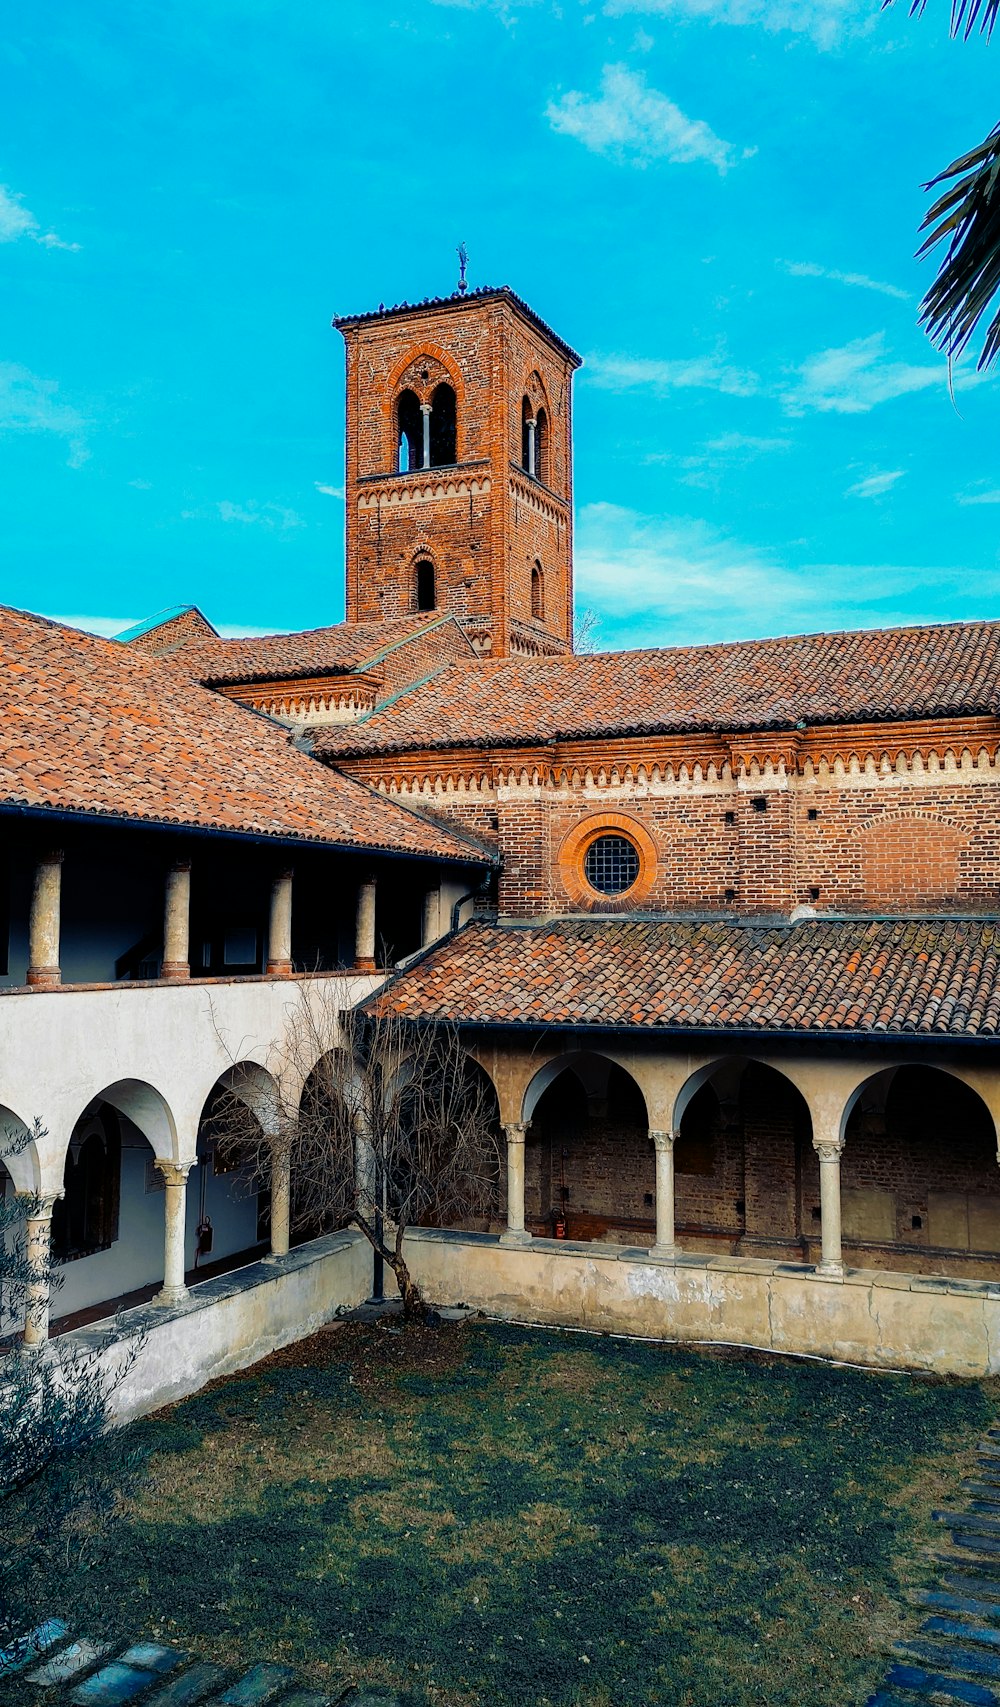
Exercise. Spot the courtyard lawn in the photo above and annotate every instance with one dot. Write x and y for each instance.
(486, 1514)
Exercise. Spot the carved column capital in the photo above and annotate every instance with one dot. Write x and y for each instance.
(516, 1130)
(829, 1149)
(41, 1204)
(662, 1141)
(174, 1173)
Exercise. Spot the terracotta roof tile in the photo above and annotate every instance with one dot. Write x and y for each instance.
(91, 726)
(859, 676)
(344, 647)
(894, 977)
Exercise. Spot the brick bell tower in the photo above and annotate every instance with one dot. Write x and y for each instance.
(459, 487)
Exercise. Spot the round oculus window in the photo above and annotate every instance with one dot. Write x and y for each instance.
(611, 865)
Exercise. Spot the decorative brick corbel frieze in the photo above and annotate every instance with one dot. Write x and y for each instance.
(764, 757)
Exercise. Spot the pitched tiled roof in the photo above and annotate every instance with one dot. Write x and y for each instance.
(458, 299)
(94, 727)
(895, 977)
(343, 647)
(859, 676)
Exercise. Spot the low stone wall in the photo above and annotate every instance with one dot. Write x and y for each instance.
(228, 1323)
(874, 1317)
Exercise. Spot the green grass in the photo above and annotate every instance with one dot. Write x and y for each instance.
(489, 1514)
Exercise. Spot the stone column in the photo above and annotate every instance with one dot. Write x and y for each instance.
(829, 1151)
(663, 1143)
(364, 950)
(425, 410)
(175, 1174)
(281, 1200)
(44, 923)
(279, 940)
(531, 450)
(431, 925)
(37, 1292)
(515, 1234)
(177, 922)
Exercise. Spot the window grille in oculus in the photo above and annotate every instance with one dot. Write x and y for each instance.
(611, 865)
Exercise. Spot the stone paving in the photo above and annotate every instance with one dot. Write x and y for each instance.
(75, 1671)
(955, 1656)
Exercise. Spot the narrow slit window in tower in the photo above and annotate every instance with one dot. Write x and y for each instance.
(527, 437)
(425, 585)
(538, 593)
(542, 447)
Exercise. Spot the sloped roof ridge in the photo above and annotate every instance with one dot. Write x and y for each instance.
(454, 298)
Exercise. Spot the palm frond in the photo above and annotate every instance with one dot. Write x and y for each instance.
(967, 218)
(965, 14)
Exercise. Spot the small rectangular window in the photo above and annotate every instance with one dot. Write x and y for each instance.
(240, 947)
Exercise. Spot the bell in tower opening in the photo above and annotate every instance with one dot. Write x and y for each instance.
(459, 476)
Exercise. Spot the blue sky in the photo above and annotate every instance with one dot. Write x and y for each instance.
(715, 201)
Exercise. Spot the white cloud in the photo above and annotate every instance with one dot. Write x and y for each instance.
(856, 377)
(812, 270)
(260, 515)
(29, 404)
(824, 20)
(989, 496)
(679, 580)
(630, 121)
(329, 491)
(106, 626)
(873, 485)
(628, 373)
(746, 441)
(16, 221)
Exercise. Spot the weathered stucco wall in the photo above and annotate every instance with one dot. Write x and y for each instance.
(226, 1324)
(883, 1319)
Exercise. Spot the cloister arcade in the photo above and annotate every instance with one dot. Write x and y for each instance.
(885, 1163)
(874, 1161)
(128, 1188)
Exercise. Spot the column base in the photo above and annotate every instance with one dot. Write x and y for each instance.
(663, 1253)
(274, 1256)
(511, 1237)
(279, 969)
(43, 977)
(365, 966)
(830, 1270)
(175, 971)
(171, 1295)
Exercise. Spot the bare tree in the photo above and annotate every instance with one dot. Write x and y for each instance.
(396, 1127)
(586, 631)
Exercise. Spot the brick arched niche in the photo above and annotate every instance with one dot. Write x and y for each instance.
(908, 858)
(571, 863)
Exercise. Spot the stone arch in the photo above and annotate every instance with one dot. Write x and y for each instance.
(148, 1109)
(19, 1155)
(920, 1184)
(743, 1140)
(589, 1163)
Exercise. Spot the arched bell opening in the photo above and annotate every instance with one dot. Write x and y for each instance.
(409, 433)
